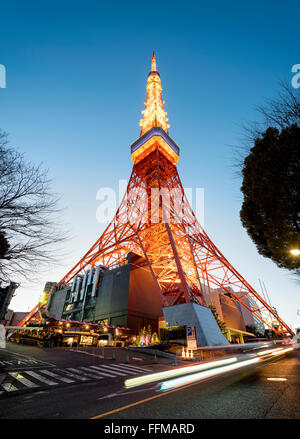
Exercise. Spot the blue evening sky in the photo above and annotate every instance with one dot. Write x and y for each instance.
(76, 76)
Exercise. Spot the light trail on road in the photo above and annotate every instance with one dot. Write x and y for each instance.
(139, 381)
(177, 382)
(209, 366)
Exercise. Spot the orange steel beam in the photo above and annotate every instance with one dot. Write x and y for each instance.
(29, 316)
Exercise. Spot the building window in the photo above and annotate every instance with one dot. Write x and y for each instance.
(102, 322)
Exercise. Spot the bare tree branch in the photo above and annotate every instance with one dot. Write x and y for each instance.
(28, 211)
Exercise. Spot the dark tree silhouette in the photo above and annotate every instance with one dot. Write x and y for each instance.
(271, 188)
(4, 246)
(29, 231)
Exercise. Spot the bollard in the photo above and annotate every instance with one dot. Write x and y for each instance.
(127, 359)
(155, 359)
(113, 357)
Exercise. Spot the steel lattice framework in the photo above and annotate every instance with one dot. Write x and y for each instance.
(156, 221)
(164, 230)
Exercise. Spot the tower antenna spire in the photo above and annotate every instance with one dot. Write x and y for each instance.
(154, 113)
(153, 65)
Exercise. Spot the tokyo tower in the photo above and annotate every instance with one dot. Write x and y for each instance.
(156, 222)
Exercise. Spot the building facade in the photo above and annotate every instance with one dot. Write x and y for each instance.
(125, 295)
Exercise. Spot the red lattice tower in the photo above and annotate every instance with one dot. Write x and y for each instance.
(155, 220)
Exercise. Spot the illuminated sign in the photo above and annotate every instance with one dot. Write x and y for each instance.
(86, 340)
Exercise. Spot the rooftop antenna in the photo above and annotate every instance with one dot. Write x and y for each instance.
(262, 290)
(267, 294)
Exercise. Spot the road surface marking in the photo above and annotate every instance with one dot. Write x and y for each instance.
(58, 377)
(40, 377)
(22, 379)
(120, 393)
(96, 373)
(141, 401)
(110, 395)
(27, 357)
(33, 395)
(109, 368)
(73, 375)
(9, 387)
(121, 369)
(135, 367)
(90, 375)
(82, 373)
(130, 369)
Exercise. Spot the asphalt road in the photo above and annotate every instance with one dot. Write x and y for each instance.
(247, 395)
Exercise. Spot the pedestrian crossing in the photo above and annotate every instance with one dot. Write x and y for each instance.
(29, 379)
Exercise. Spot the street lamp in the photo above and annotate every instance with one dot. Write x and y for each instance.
(295, 252)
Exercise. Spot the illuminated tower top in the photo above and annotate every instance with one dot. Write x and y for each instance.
(154, 132)
(154, 113)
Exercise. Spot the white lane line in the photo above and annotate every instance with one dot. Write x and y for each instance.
(76, 371)
(98, 373)
(135, 368)
(121, 369)
(40, 377)
(90, 374)
(18, 376)
(109, 368)
(120, 393)
(99, 369)
(58, 377)
(8, 387)
(73, 375)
